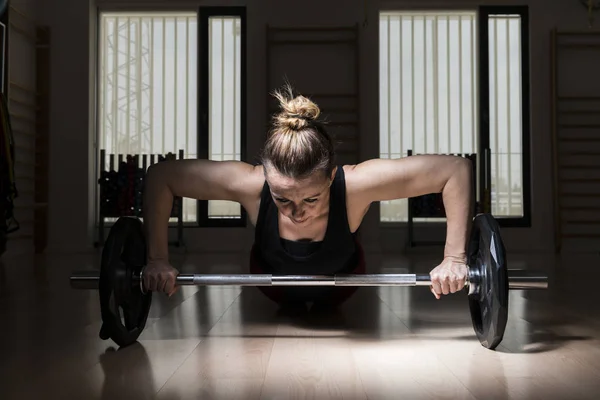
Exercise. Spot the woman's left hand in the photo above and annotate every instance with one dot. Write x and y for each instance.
(448, 277)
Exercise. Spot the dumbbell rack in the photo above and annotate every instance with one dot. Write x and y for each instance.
(121, 190)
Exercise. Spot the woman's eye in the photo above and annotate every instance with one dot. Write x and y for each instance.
(310, 200)
(283, 200)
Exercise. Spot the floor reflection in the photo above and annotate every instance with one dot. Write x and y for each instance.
(233, 342)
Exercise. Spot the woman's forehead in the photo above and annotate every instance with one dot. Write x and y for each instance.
(307, 187)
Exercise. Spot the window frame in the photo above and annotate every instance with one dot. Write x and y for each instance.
(483, 104)
(483, 13)
(96, 82)
(204, 14)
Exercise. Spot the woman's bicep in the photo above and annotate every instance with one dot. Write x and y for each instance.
(385, 179)
(207, 179)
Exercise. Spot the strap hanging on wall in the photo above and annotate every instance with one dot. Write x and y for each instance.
(591, 5)
(8, 187)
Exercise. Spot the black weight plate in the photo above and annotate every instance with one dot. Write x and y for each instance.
(488, 303)
(123, 306)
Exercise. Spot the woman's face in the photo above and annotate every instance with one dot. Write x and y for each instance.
(300, 200)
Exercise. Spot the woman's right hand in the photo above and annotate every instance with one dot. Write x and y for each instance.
(159, 276)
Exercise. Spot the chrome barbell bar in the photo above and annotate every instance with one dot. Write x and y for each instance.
(518, 280)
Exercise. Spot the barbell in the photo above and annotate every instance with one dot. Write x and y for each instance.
(125, 305)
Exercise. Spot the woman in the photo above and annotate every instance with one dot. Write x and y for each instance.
(305, 208)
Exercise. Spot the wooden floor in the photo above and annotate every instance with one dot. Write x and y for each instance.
(233, 343)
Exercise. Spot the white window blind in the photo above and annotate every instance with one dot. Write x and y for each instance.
(506, 129)
(224, 101)
(148, 90)
(428, 96)
(148, 86)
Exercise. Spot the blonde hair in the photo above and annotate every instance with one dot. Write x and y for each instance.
(298, 144)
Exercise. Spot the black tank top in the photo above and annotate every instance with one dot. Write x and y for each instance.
(336, 253)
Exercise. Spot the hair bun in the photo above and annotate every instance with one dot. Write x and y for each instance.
(297, 111)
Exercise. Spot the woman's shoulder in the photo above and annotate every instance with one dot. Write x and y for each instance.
(362, 178)
(254, 179)
(357, 203)
(350, 174)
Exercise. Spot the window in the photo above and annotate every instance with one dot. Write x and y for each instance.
(432, 92)
(164, 87)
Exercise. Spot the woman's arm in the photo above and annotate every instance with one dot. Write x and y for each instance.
(382, 179)
(197, 179)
